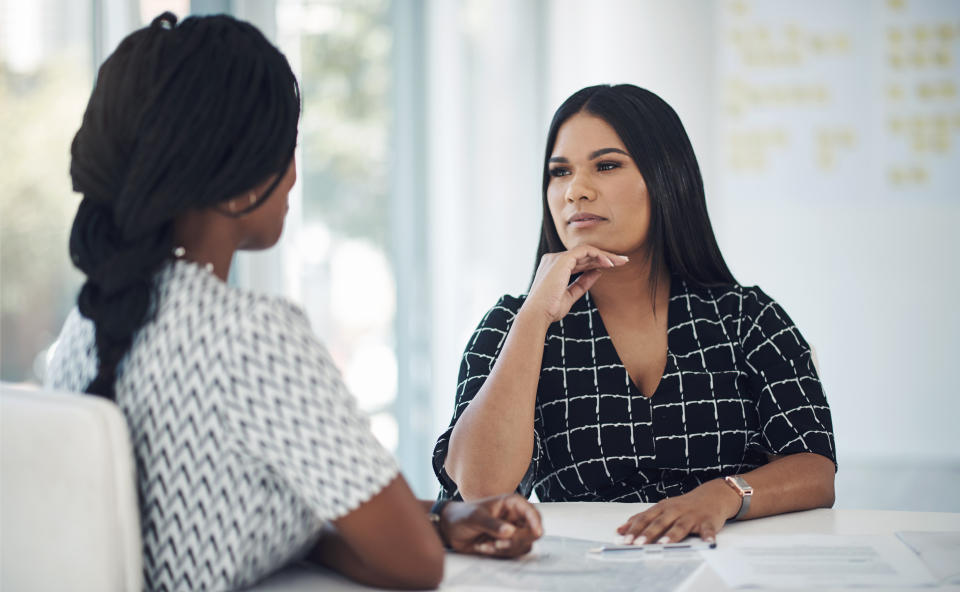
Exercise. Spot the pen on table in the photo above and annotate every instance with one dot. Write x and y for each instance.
(656, 548)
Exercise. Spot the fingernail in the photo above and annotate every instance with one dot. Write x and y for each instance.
(663, 540)
(610, 261)
(709, 539)
(625, 258)
(507, 529)
(640, 540)
(502, 544)
(484, 548)
(627, 539)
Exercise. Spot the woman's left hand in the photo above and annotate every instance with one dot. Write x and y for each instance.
(703, 511)
(498, 526)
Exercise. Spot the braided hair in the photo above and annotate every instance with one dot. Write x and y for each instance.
(181, 117)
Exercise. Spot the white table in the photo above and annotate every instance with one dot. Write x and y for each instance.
(598, 521)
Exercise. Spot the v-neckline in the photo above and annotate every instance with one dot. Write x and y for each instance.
(593, 308)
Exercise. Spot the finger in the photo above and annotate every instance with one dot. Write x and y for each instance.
(598, 262)
(516, 549)
(485, 548)
(626, 526)
(519, 506)
(708, 532)
(516, 546)
(638, 522)
(593, 257)
(579, 287)
(656, 529)
(491, 525)
(589, 263)
(582, 251)
(623, 528)
(677, 532)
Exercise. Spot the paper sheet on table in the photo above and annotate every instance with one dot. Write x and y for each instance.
(817, 561)
(940, 551)
(562, 564)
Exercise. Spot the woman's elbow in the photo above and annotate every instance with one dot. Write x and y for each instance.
(425, 577)
(474, 483)
(474, 487)
(828, 493)
(420, 570)
(432, 573)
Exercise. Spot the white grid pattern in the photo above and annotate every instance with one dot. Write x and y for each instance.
(727, 397)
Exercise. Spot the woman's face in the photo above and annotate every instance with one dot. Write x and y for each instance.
(596, 194)
(264, 225)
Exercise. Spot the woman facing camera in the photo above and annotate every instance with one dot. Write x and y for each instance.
(636, 368)
(250, 452)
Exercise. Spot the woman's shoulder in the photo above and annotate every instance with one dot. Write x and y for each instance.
(729, 299)
(185, 288)
(756, 303)
(502, 313)
(71, 360)
(511, 303)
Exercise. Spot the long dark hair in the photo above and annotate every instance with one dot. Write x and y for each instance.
(181, 116)
(680, 236)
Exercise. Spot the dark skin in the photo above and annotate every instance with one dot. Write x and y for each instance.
(387, 541)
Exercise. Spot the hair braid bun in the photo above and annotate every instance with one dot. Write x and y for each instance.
(182, 116)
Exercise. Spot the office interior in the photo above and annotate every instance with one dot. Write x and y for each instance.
(827, 133)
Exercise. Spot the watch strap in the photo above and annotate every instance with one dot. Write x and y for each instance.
(436, 511)
(740, 485)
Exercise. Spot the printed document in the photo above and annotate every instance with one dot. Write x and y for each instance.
(940, 551)
(817, 561)
(563, 564)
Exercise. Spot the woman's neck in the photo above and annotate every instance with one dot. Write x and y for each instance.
(628, 288)
(205, 240)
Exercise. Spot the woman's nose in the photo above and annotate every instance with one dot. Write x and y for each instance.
(578, 190)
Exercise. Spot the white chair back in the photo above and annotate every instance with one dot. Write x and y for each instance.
(68, 499)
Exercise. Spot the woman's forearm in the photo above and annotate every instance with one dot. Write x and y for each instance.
(492, 442)
(801, 481)
(386, 542)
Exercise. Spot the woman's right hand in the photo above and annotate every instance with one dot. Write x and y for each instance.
(498, 526)
(552, 294)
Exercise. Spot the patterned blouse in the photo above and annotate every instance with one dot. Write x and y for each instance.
(245, 438)
(739, 384)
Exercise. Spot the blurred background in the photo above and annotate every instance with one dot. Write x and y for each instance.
(827, 133)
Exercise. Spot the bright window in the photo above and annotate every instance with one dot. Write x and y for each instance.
(45, 76)
(337, 246)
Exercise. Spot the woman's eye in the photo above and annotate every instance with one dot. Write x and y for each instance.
(559, 172)
(607, 166)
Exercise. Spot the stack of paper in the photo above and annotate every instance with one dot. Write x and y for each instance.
(817, 561)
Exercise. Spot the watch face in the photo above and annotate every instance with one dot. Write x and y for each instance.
(743, 485)
(740, 484)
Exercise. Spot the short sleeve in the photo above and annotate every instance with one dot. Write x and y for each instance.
(792, 409)
(481, 353)
(291, 410)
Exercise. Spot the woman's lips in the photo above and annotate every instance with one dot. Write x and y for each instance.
(585, 221)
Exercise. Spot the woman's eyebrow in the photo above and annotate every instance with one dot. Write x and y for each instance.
(594, 154)
(602, 151)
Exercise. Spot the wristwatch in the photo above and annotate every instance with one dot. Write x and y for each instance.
(743, 489)
(434, 517)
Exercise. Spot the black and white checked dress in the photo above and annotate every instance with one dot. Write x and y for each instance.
(245, 438)
(739, 383)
